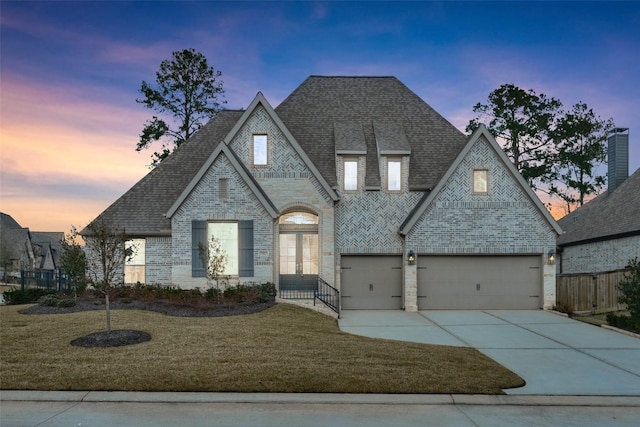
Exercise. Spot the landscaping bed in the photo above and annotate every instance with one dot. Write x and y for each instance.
(168, 307)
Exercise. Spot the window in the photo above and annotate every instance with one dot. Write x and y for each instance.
(299, 218)
(480, 181)
(236, 239)
(394, 175)
(260, 150)
(350, 175)
(227, 235)
(134, 266)
(223, 189)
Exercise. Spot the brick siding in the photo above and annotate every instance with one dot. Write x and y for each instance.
(504, 221)
(608, 255)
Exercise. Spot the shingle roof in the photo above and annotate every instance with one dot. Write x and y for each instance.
(51, 238)
(349, 138)
(7, 222)
(311, 111)
(607, 215)
(15, 242)
(142, 209)
(310, 114)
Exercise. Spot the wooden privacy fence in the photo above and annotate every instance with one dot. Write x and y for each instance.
(596, 292)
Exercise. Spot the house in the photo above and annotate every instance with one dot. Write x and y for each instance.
(50, 248)
(355, 181)
(16, 250)
(22, 249)
(604, 234)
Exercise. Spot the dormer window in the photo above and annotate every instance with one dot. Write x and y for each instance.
(259, 150)
(394, 175)
(350, 175)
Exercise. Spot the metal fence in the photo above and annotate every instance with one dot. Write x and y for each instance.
(297, 291)
(55, 280)
(319, 290)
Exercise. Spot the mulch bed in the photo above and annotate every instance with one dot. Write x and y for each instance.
(169, 308)
(115, 338)
(122, 337)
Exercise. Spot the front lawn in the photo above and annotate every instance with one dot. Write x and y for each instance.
(282, 349)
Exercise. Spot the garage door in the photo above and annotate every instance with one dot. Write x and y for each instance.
(479, 282)
(371, 282)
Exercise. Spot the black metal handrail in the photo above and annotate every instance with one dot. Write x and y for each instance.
(329, 295)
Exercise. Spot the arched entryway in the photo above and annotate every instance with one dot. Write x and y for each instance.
(299, 254)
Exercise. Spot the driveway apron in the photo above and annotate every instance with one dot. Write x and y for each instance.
(554, 354)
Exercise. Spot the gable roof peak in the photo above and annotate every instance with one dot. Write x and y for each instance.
(481, 133)
(240, 169)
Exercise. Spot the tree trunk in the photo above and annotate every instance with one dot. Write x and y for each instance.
(106, 300)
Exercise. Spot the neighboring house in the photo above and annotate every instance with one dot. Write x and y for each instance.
(604, 234)
(50, 248)
(21, 249)
(344, 180)
(600, 238)
(16, 250)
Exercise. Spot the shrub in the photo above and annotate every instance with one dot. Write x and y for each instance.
(28, 296)
(212, 294)
(629, 288)
(250, 293)
(267, 292)
(623, 322)
(56, 301)
(246, 293)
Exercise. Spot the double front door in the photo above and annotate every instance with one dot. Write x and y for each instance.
(298, 261)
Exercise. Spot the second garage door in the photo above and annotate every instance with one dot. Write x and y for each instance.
(479, 282)
(371, 282)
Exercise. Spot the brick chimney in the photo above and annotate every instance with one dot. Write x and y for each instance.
(618, 158)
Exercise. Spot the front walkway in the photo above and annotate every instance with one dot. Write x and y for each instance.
(554, 354)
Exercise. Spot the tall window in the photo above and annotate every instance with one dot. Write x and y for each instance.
(480, 181)
(223, 189)
(350, 175)
(394, 175)
(260, 150)
(227, 235)
(135, 265)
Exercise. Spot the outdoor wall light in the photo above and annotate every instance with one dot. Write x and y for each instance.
(551, 257)
(411, 257)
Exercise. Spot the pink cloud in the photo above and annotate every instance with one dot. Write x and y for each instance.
(65, 154)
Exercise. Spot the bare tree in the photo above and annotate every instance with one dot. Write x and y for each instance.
(106, 256)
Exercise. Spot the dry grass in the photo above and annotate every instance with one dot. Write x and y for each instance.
(282, 349)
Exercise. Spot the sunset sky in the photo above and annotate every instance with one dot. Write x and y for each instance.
(70, 74)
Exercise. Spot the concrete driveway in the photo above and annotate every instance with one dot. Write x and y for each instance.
(554, 354)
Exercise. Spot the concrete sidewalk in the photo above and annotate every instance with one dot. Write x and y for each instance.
(51, 409)
(554, 354)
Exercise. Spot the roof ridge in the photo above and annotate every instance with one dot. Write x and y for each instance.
(352, 77)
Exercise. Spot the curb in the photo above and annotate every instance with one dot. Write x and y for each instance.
(621, 331)
(318, 398)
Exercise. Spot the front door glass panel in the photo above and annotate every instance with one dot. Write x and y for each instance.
(309, 254)
(288, 254)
